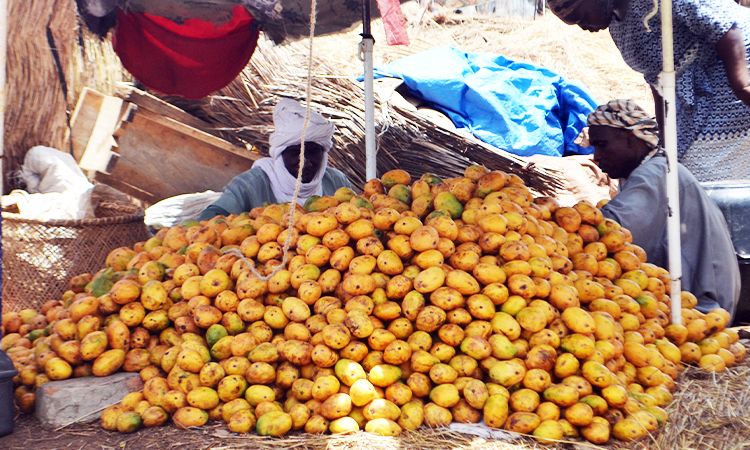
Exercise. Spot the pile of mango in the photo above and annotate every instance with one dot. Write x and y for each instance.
(412, 304)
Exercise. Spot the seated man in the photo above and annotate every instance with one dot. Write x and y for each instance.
(273, 180)
(626, 140)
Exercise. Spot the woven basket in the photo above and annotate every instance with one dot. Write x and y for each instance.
(40, 258)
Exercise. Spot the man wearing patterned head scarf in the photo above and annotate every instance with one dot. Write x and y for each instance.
(625, 141)
(274, 179)
(711, 45)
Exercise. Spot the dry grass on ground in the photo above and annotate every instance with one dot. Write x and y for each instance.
(710, 411)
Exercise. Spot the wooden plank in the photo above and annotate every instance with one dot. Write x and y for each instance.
(155, 104)
(83, 119)
(194, 133)
(125, 187)
(98, 149)
(161, 158)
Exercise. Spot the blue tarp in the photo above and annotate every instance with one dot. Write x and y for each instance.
(518, 107)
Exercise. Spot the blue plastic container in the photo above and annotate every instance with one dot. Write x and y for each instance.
(7, 372)
(733, 199)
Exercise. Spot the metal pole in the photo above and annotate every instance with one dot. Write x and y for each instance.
(365, 54)
(670, 145)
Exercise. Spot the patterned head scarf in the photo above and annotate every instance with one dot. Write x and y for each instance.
(626, 114)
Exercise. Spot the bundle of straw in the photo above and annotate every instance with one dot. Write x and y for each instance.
(50, 60)
(39, 31)
(242, 112)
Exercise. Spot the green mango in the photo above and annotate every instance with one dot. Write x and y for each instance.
(449, 202)
(103, 283)
(361, 202)
(344, 194)
(214, 333)
(437, 213)
(189, 223)
(431, 179)
(401, 193)
(317, 203)
(423, 204)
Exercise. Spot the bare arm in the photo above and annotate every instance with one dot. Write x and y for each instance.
(658, 109)
(733, 55)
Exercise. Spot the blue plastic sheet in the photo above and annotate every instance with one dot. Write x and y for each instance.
(518, 107)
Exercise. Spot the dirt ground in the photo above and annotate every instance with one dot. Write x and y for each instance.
(30, 435)
(710, 411)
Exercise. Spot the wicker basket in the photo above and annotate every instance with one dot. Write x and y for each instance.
(40, 258)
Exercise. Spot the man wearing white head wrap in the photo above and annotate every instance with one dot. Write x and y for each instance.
(625, 141)
(273, 179)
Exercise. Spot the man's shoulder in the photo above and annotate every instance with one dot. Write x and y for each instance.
(332, 172)
(655, 170)
(335, 176)
(649, 172)
(658, 162)
(255, 174)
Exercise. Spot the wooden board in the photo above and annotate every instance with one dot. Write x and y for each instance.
(158, 157)
(149, 149)
(145, 100)
(98, 151)
(93, 113)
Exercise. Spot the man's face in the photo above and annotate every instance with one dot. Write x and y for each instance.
(616, 151)
(313, 160)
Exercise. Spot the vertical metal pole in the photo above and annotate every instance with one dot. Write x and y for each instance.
(366, 46)
(670, 144)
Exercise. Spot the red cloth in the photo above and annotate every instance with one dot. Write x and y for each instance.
(393, 22)
(191, 59)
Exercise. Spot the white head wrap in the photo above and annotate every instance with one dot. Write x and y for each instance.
(289, 120)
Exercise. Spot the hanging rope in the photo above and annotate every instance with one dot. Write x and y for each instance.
(298, 185)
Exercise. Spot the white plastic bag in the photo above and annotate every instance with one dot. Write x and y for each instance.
(46, 169)
(173, 210)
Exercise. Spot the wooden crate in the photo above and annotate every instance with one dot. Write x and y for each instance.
(149, 149)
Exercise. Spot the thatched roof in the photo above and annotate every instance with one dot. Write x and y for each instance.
(50, 61)
(39, 102)
(242, 112)
(407, 138)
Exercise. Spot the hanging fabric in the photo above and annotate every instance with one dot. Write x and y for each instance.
(393, 22)
(191, 59)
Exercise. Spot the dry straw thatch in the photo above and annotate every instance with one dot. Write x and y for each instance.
(50, 60)
(242, 111)
(407, 140)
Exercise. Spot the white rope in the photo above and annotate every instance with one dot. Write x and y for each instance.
(298, 185)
